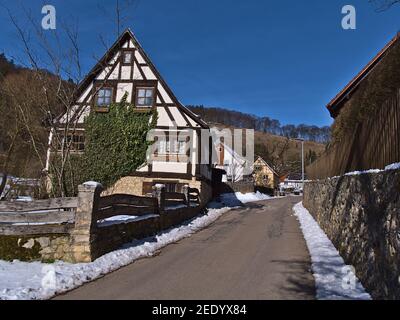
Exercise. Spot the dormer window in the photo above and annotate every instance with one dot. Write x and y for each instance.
(104, 97)
(127, 57)
(145, 97)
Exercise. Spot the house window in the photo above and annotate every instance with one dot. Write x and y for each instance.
(104, 97)
(177, 147)
(127, 58)
(145, 97)
(75, 142)
(78, 142)
(180, 147)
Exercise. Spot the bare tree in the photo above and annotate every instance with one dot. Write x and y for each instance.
(42, 89)
(121, 15)
(52, 57)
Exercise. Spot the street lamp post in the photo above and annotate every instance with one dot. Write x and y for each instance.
(302, 162)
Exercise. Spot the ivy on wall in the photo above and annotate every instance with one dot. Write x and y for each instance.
(116, 142)
(116, 145)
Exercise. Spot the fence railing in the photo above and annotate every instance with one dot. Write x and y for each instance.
(57, 216)
(373, 144)
(127, 205)
(53, 216)
(72, 229)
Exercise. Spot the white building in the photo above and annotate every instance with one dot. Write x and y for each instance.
(230, 161)
(126, 69)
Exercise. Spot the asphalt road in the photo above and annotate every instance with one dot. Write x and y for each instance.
(257, 252)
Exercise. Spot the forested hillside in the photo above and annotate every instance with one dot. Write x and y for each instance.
(262, 124)
(23, 120)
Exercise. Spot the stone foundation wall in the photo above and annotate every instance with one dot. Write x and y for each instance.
(47, 248)
(134, 186)
(361, 216)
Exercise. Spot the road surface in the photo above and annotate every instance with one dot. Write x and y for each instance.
(257, 252)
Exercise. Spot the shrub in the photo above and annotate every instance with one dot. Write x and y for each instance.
(116, 142)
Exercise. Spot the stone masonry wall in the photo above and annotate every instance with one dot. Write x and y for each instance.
(361, 216)
(134, 186)
(112, 237)
(45, 248)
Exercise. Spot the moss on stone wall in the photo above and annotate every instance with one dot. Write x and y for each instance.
(30, 248)
(12, 247)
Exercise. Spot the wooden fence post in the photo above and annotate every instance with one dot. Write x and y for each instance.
(84, 234)
(159, 193)
(186, 192)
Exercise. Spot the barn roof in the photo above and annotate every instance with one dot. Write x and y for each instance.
(335, 105)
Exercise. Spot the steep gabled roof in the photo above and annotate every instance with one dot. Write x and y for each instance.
(126, 36)
(265, 163)
(337, 103)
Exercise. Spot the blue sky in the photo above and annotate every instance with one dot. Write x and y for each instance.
(283, 59)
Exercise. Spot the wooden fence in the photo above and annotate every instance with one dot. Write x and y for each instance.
(373, 144)
(57, 216)
(127, 205)
(53, 216)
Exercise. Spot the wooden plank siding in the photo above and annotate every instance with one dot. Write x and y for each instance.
(55, 217)
(31, 230)
(52, 216)
(374, 144)
(39, 205)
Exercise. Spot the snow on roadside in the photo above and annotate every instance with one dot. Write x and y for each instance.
(334, 279)
(38, 281)
(237, 199)
(391, 167)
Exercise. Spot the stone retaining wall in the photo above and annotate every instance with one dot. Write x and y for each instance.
(133, 185)
(110, 238)
(361, 216)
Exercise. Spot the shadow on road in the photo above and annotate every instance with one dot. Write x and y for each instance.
(298, 275)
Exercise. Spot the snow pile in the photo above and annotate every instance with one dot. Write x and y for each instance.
(93, 184)
(358, 173)
(394, 166)
(121, 220)
(334, 279)
(29, 281)
(238, 199)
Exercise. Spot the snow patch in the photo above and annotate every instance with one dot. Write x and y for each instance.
(334, 279)
(394, 166)
(93, 184)
(237, 199)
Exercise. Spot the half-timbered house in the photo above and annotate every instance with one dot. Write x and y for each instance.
(127, 69)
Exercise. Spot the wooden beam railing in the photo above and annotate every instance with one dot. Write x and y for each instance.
(52, 216)
(126, 205)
